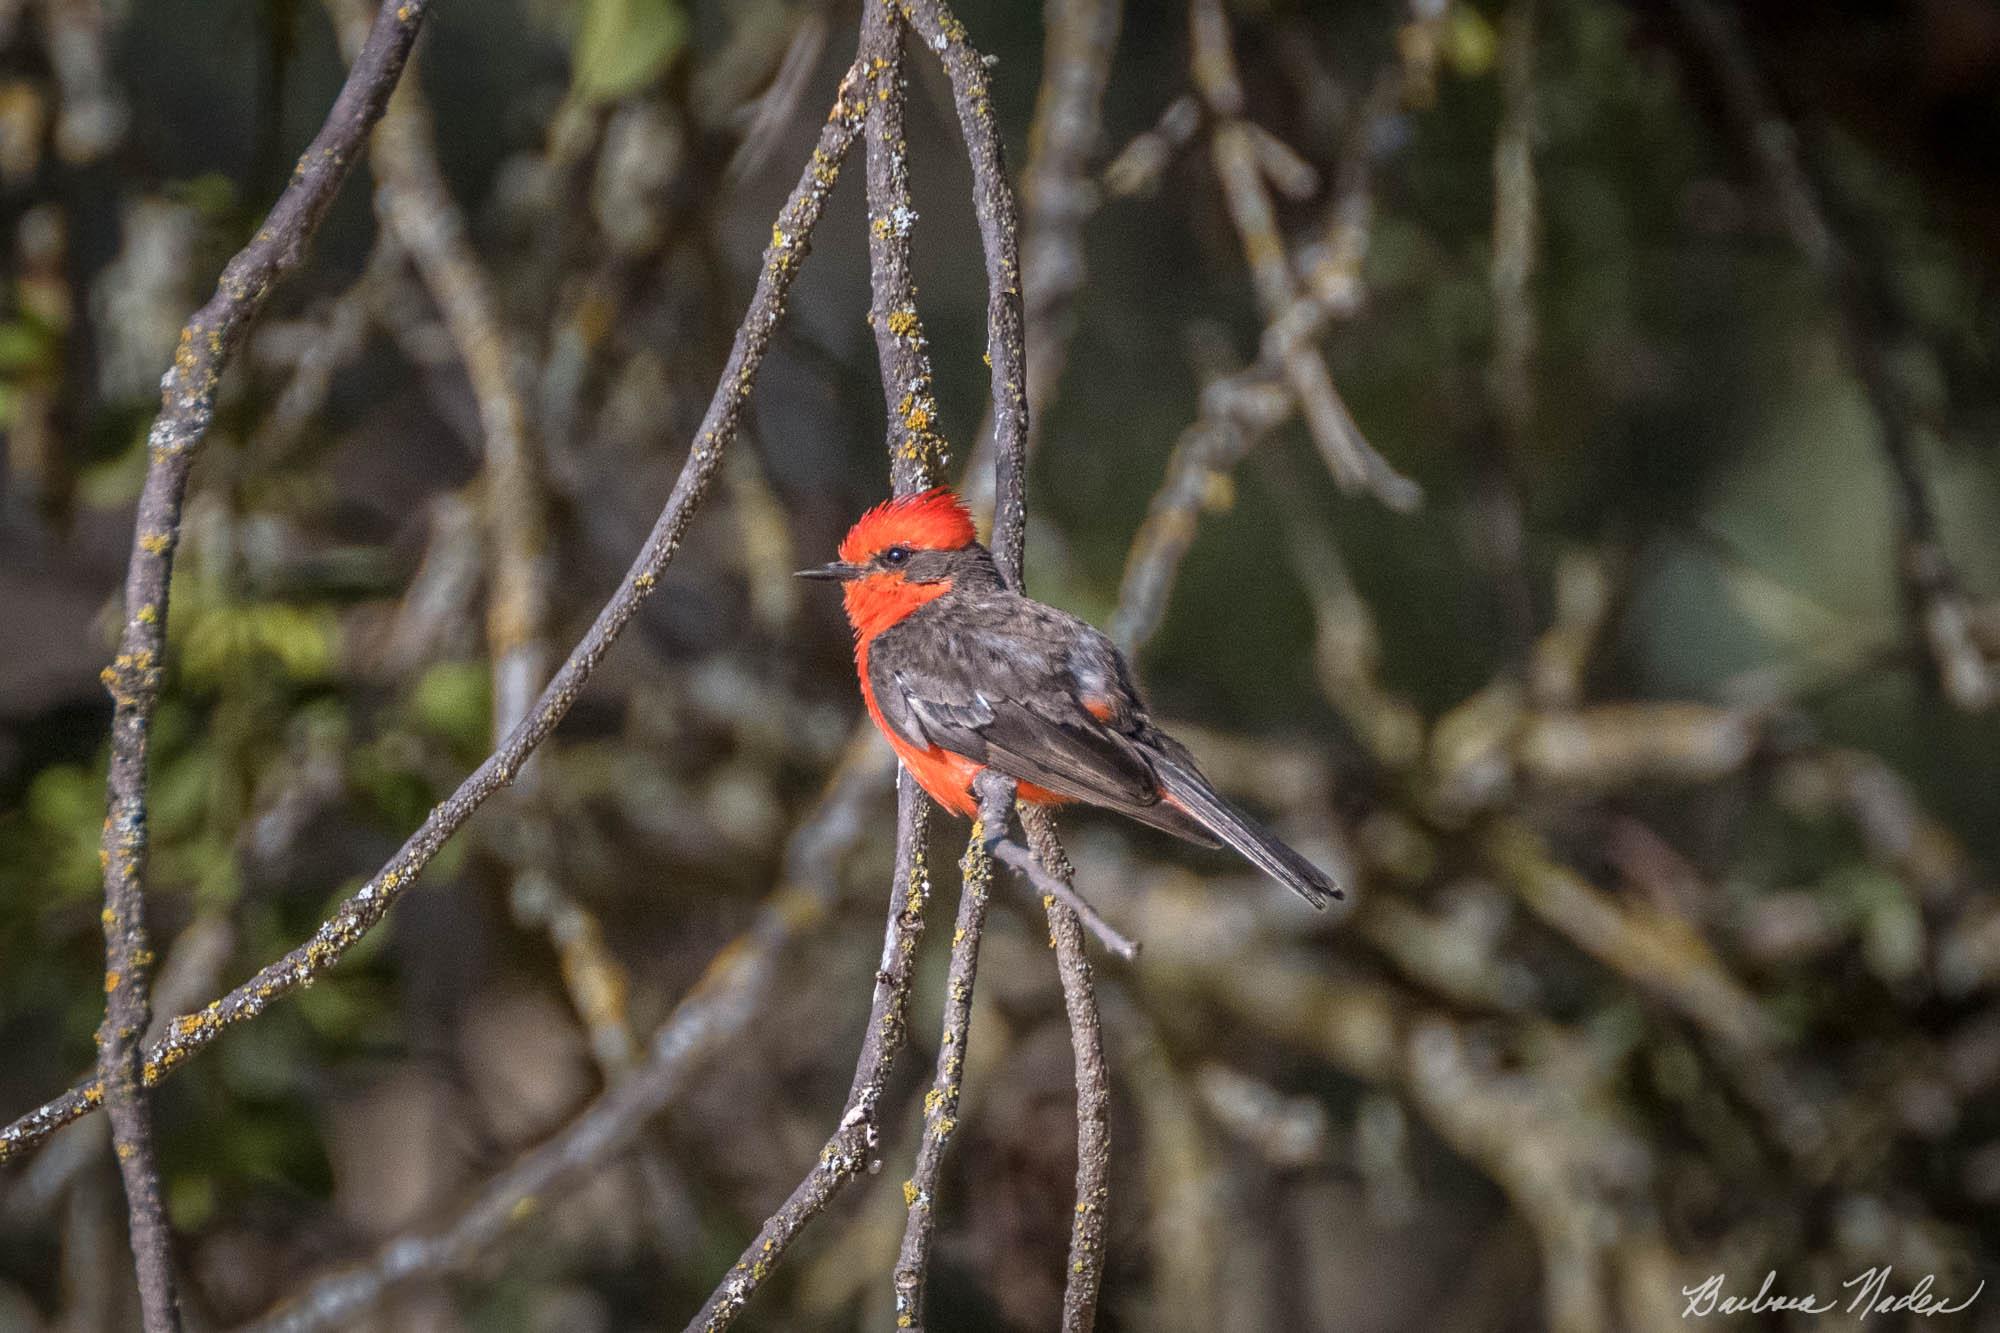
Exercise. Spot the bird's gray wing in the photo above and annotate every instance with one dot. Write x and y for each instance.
(1013, 697)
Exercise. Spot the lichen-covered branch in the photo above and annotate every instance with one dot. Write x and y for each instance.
(850, 1151)
(999, 220)
(136, 675)
(790, 241)
(920, 1192)
(999, 230)
(917, 455)
(1088, 1224)
(712, 1015)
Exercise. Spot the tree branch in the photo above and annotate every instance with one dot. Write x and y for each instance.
(790, 242)
(850, 1150)
(1085, 1275)
(917, 456)
(187, 406)
(1000, 239)
(999, 230)
(920, 1192)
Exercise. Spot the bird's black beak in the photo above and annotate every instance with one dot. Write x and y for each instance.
(838, 570)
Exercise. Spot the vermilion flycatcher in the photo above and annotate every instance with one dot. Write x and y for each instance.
(961, 673)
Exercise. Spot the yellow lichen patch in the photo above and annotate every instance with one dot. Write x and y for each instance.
(903, 323)
(154, 543)
(644, 583)
(909, 1192)
(523, 1207)
(111, 980)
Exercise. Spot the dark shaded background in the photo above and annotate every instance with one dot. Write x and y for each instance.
(1494, 1084)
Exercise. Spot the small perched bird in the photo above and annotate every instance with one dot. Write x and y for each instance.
(962, 674)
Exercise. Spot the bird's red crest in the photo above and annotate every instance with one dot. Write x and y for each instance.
(932, 520)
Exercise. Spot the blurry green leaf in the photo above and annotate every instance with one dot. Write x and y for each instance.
(212, 194)
(1469, 42)
(115, 482)
(66, 804)
(207, 865)
(623, 45)
(25, 345)
(331, 1009)
(180, 792)
(454, 700)
(191, 1200)
(303, 640)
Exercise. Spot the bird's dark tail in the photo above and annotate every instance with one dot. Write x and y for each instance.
(1188, 790)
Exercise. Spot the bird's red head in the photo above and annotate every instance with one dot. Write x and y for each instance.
(899, 555)
(932, 520)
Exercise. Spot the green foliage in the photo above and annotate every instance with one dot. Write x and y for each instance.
(623, 45)
(454, 701)
(65, 806)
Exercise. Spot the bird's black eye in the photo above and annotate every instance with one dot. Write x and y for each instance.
(896, 555)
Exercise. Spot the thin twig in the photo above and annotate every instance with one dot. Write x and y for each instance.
(916, 457)
(850, 1151)
(1000, 239)
(790, 242)
(920, 1192)
(1023, 862)
(918, 453)
(135, 676)
(1085, 1275)
(1239, 410)
(715, 1012)
(1137, 167)
(999, 229)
